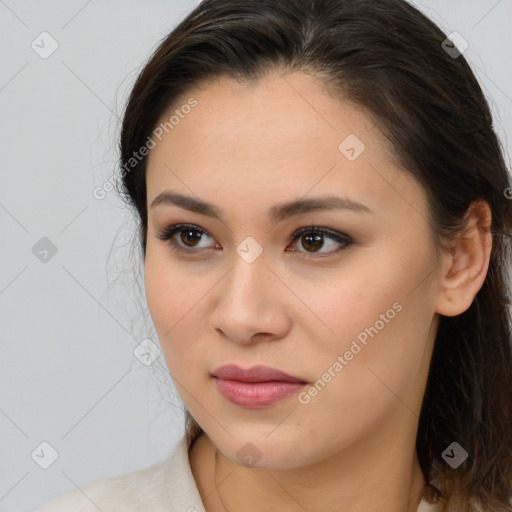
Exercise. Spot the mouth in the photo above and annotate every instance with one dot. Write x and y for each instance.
(256, 387)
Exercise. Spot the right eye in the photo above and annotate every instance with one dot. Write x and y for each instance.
(187, 239)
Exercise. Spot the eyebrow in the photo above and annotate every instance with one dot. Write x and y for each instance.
(277, 213)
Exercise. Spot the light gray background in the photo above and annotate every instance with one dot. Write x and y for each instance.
(68, 327)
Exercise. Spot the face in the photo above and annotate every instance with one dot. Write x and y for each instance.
(314, 258)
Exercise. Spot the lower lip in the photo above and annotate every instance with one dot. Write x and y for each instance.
(256, 395)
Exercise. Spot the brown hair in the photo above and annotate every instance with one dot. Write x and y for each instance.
(387, 57)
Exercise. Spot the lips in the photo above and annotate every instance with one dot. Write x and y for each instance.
(257, 387)
(258, 373)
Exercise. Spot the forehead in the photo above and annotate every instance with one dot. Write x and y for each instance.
(278, 107)
(275, 114)
(281, 129)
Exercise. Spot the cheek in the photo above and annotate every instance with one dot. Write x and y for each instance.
(176, 300)
(346, 305)
(373, 366)
(382, 335)
(169, 289)
(378, 316)
(161, 292)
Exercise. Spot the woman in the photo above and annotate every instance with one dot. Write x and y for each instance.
(325, 226)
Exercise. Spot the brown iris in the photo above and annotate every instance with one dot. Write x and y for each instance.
(314, 241)
(188, 237)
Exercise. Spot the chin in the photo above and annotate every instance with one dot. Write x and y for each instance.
(254, 447)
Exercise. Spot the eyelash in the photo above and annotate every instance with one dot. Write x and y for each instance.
(344, 240)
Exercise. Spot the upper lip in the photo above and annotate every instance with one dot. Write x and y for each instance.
(258, 373)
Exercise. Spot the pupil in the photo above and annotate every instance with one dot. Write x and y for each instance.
(315, 240)
(192, 237)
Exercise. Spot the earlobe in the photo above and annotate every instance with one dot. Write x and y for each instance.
(467, 264)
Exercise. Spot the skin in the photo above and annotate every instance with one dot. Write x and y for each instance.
(246, 148)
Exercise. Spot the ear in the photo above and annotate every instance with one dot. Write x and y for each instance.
(466, 266)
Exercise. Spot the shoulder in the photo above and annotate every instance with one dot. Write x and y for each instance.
(166, 486)
(129, 492)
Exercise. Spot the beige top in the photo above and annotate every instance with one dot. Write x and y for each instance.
(167, 486)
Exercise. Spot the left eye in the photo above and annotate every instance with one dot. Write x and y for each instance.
(311, 238)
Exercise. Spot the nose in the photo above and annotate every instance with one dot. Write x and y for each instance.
(251, 304)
